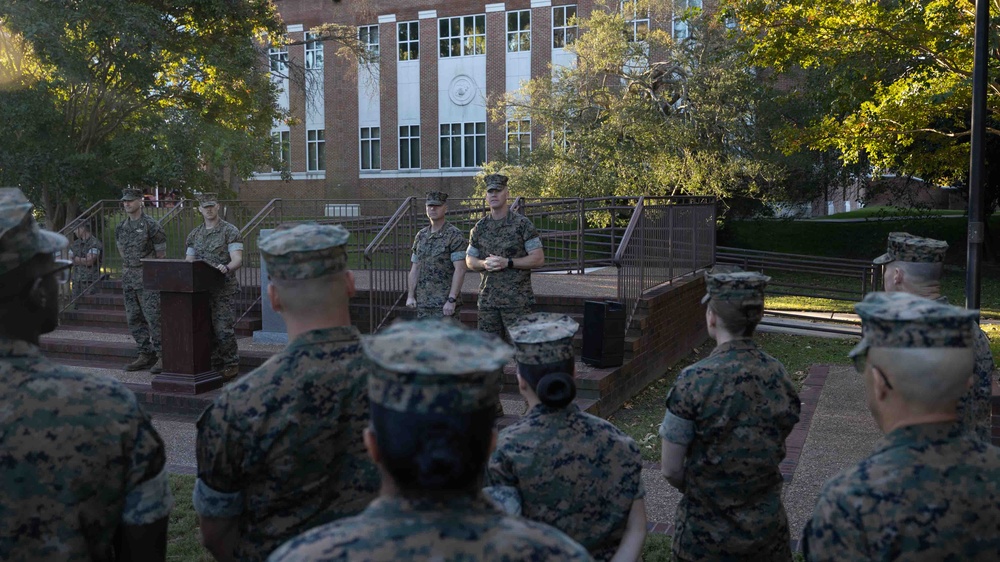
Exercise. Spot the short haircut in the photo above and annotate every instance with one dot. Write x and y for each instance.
(736, 318)
(309, 297)
(429, 453)
(920, 273)
(552, 382)
(929, 377)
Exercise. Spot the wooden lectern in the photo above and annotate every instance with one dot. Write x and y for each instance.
(185, 323)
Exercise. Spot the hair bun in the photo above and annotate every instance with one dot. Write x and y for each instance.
(556, 390)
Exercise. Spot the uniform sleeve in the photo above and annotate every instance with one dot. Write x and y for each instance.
(501, 482)
(218, 491)
(457, 247)
(413, 249)
(147, 491)
(631, 482)
(233, 239)
(474, 250)
(683, 406)
(834, 532)
(158, 236)
(532, 241)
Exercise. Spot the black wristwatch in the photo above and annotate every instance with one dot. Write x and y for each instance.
(510, 263)
(451, 300)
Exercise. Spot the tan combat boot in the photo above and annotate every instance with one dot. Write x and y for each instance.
(143, 361)
(230, 372)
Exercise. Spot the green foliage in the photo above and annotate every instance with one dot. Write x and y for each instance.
(98, 95)
(655, 117)
(182, 529)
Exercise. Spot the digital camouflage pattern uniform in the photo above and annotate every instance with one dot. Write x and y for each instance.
(418, 372)
(136, 240)
(79, 457)
(506, 295)
(437, 252)
(84, 276)
(975, 408)
(733, 411)
(281, 448)
(213, 245)
(560, 466)
(928, 491)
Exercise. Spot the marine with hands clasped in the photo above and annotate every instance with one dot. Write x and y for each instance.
(85, 253)
(437, 270)
(280, 450)
(432, 430)
(913, 264)
(930, 490)
(138, 237)
(83, 469)
(219, 244)
(723, 434)
(560, 466)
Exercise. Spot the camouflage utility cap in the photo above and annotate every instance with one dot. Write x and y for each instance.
(903, 320)
(543, 338)
(20, 237)
(744, 287)
(436, 197)
(496, 181)
(208, 199)
(435, 367)
(131, 194)
(907, 247)
(305, 251)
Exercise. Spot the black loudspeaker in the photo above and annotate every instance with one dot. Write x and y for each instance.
(603, 333)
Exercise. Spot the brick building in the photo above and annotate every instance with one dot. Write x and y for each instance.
(416, 120)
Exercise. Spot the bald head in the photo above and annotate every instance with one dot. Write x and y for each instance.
(928, 379)
(918, 278)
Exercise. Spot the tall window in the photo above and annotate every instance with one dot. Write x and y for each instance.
(682, 28)
(314, 52)
(462, 36)
(409, 147)
(463, 145)
(408, 40)
(518, 138)
(371, 148)
(315, 150)
(368, 35)
(279, 58)
(281, 151)
(519, 31)
(636, 20)
(564, 26)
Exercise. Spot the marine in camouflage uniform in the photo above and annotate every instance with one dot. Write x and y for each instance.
(85, 247)
(731, 413)
(975, 408)
(419, 374)
(558, 465)
(438, 253)
(505, 293)
(81, 460)
(137, 238)
(930, 490)
(280, 449)
(220, 245)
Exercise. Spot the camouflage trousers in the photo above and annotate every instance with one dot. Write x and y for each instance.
(142, 310)
(698, 537)
(426, 313)
(83, 278)
(222, 303)
(499, 320)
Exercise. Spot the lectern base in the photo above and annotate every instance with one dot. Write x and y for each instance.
(180, 383)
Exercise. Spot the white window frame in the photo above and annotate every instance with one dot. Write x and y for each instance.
(680, 28)
(316, 150)
(278, 59)
(411, 43)
(410, 135)
(370, 145)
(569, 30)
(636, 21)
(460, 135)
(368, 35)
(520, 131)
(518, 36)
(313, 52)
(281, 145)
(468, 44)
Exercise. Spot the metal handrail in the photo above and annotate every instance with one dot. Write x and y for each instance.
(173, 212)
(629, 230)
(259, 217)
(81, 218)
(389, 226)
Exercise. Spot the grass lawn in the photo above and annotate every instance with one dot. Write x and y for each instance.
(878, 212)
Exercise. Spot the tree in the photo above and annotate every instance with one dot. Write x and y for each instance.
(648, 115)
(895, 80)
(98, 95)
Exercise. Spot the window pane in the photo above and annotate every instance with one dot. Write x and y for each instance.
(525, 20)
(470, 128)
(321, 149)
(445, 129)
(415, 153)
(375, 133)
(443, 28)
(470, 152)
(456, 27)
(511, 21)
(376, 154)
(570, 35)
(414, 51)
(456, 151)
(364, 132)
(401, 34)
(481, 128)
(366, 162)
(404, 153)
(559, 17)
(557, 39)
(445, 152)
(480, 150)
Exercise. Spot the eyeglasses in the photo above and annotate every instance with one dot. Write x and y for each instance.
(62, 271)
(861, 361)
